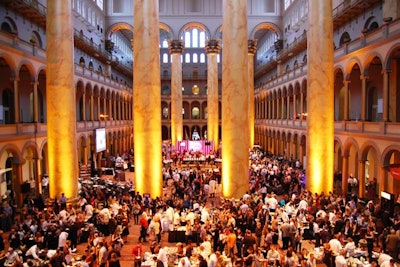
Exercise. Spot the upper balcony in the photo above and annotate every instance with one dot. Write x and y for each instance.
(30, 9)
(349, 9)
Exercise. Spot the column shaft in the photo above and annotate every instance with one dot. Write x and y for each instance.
(320, 109)
(16, 101)
(361, 179)
(147, 98)
(363, 97)
(385, 95)
(60, 97)
(235, 133)
(91, 107)
(176, 48)
(345, 173)
(346, 101)
(84, 106)
(35, 103)
(212, 49)
(252, 48)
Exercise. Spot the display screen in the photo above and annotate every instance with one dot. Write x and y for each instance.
(101, 144)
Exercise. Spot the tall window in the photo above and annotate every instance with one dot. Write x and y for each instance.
(195, 58)
(100, 4)
(195, 38)
(202, 58)
(287, 4)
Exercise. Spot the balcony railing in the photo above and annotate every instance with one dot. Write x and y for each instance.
(31, 9)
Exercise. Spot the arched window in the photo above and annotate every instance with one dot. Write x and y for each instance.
(202, 58)
(165, 44)
(6, 27)
(187, 39)
(195, 38)
(195, 58)
(165, 58)
(195, 113)
(345, 38)
(165, 113)
(187, 58)
(82, 62)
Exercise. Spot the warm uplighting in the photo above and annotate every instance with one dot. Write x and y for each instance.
(195, 90)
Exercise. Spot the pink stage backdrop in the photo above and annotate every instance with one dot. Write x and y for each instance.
(202, 146)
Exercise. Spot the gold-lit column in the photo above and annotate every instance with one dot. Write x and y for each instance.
(363, 96)
(385, 95)
(114, 108)
(176, 48)
(346, 100)
(38, 187)
(361, 179)
(98, 107)
(320, 98)
(91, 107)
(85, 155)
(147, 98)
(35, 102)
(110, 110)
(105, 110)
(301, 105)
(60, 97)
(16, 100)
(212, 49)
(294, 107)
(84, 106)
(235, 122)
(252, 49)
(345, 172)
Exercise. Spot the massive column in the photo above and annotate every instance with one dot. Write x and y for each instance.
(235, 121)
(176, 48)
(320, 108)
(252, 48)
(60, 97)
(147, 98)
(212, 49)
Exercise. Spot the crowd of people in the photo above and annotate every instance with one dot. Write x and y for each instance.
(268, 225)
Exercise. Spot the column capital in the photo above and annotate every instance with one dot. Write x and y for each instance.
(364, 77)
(386, 71)
(176, 46)
(252, 46)
(346, 82)
(213, 46)
(14, 79)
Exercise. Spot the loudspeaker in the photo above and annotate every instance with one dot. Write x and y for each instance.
(25, 188)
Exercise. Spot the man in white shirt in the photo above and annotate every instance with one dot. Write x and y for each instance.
(32, 252)
(184, 262)
(161, 255)
(340, 260)
(212, 262)
(336, 246)
(62, 238)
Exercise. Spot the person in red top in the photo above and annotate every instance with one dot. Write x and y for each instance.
(137, 253)
(144, 224)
